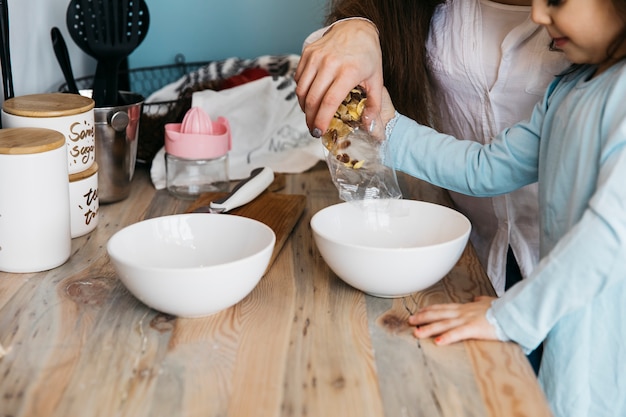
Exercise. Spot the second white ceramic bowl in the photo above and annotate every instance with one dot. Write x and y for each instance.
(390, 248)
(192, 265)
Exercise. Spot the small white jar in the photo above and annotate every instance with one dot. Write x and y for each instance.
(34, 202)
(84, 203)
(70, 114)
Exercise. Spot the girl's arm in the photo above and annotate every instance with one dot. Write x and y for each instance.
(583, 272)
(465, 166)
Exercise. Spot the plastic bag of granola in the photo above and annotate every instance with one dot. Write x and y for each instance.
(354, 155)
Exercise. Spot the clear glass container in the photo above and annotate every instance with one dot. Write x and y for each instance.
(188, 178)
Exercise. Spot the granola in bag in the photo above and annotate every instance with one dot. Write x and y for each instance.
(354, 154)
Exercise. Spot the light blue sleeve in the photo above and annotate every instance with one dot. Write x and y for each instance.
(466, 166)
(585, 271)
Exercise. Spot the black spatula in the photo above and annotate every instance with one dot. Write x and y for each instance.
(109, 31)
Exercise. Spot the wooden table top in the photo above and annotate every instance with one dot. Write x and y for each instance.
(303, 343)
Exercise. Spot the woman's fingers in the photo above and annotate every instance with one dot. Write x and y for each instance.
(330, 67)
(320, 87)
(303, 77)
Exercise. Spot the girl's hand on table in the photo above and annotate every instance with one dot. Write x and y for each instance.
(347, 55)
(454, 322)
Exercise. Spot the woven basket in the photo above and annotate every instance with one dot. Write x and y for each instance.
(198, 76)
(155, 115)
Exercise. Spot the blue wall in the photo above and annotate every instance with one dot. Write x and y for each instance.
(210, 30)
(202, 30)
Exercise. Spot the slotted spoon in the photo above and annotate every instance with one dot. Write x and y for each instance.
(109, 31)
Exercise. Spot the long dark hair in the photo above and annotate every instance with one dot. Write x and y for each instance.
(403, 27)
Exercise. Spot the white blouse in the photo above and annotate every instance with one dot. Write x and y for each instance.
(491, 65)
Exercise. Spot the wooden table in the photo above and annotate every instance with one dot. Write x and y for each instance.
(302, 344)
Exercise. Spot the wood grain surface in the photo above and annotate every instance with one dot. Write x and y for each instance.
(303, 343)
(279, 211)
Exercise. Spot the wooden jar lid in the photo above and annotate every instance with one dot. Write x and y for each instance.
(84, 174)
(29, 140)
(48, 105)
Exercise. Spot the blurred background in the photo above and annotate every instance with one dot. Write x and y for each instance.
(200, 30)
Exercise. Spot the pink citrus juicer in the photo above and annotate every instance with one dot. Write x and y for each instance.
(198, 137)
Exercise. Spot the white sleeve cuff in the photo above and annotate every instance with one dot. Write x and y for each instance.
(391, 124)
(499, 332)
(321, 32)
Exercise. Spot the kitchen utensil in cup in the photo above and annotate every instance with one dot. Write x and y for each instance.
(63, 57)
(34, 203)
(5, 51)
(116, 132)
(70, 114)
(109, 31)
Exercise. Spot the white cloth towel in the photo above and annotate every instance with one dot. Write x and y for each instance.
(267, 125)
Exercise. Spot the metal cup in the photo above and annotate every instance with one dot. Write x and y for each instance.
(116, 135)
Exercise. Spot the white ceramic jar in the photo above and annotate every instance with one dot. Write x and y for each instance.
(34, 200)
(84, 203)
(70, 114)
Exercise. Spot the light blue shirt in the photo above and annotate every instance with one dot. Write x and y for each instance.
(574, 145)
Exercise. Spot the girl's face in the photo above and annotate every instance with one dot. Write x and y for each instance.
(583, 29)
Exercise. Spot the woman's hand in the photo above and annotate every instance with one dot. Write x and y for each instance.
(377, 122)
(454, 322)
(347, 55)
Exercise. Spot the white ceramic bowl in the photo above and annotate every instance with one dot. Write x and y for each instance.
(390, 248)
(192, 265)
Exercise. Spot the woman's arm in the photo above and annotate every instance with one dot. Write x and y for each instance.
(347, 55)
